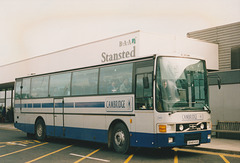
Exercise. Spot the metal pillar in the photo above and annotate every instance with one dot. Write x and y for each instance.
(12, 98)
(5, 102)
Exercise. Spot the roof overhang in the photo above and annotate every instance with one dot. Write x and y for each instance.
(6, 86)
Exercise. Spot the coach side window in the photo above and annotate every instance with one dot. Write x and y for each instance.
(116, 79)
(18, 89)
(39, 86)
(60, 84)
(26, 88)
(85, 82)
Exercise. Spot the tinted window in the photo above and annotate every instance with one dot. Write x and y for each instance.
(235, 58)
(60, 84)
(18, 89)
(26, 88)
(140, 90)
(85, 82)
(144, 89)
(144, 98)
(116, 79)
(40, 86)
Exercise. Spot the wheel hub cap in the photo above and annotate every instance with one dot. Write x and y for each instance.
(39, 130)
(119, 138)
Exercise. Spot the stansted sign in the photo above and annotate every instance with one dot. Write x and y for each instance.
(122, 54)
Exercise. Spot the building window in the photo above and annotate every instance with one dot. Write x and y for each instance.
(235, 57)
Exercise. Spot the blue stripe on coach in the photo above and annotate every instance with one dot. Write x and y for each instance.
(60, 105)
(90, 104)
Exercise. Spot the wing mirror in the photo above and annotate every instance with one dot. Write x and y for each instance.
(219, 81)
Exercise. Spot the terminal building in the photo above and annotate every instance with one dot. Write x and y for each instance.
(224, 103)
(224, 62)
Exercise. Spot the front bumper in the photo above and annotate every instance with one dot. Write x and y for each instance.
(183, 139)
(170, 139)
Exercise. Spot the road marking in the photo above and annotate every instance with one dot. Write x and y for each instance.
(92, 158)
(20, 142)
(22, 150)
(27, 142)
(206, 152)
(14, 143)
(37, 141)
(224, 159)
(87, 156)
(128, 159)
(2, 146)
(175, 157)
(48, 154)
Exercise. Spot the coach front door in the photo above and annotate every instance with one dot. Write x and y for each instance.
(144, 112)
(58, 117)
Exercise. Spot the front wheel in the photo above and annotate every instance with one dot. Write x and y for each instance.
(120, 138)
(40, 130)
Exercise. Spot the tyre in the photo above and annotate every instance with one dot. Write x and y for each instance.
(40, 130)
(120, 138)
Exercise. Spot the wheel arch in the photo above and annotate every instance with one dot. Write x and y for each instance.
(38, 118)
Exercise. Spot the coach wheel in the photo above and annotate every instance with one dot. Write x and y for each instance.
(120, 138)
(40, 130)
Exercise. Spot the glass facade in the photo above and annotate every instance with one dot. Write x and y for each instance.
(6, 105)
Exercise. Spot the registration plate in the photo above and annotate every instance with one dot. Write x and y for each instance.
(192, 142)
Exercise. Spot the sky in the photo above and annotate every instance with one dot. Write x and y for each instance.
(30, 28)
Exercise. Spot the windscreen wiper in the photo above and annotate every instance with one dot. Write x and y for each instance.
(207, 108)
(187, 108)
(172, 112)
(204, 106)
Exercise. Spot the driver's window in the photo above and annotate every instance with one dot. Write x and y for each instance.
(144, 85)
(144, 99)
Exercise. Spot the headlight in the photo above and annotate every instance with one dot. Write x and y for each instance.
(166, 128)
(209, 125)
(181, 127)
(170, 127)
(202, 126)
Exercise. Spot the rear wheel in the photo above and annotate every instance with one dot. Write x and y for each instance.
(120, 138)
(40, 130)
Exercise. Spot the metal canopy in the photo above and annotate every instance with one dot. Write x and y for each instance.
(6, 86)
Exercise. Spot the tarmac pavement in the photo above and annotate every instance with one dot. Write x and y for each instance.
(222, 144)
(8, 126)
(217, 144)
